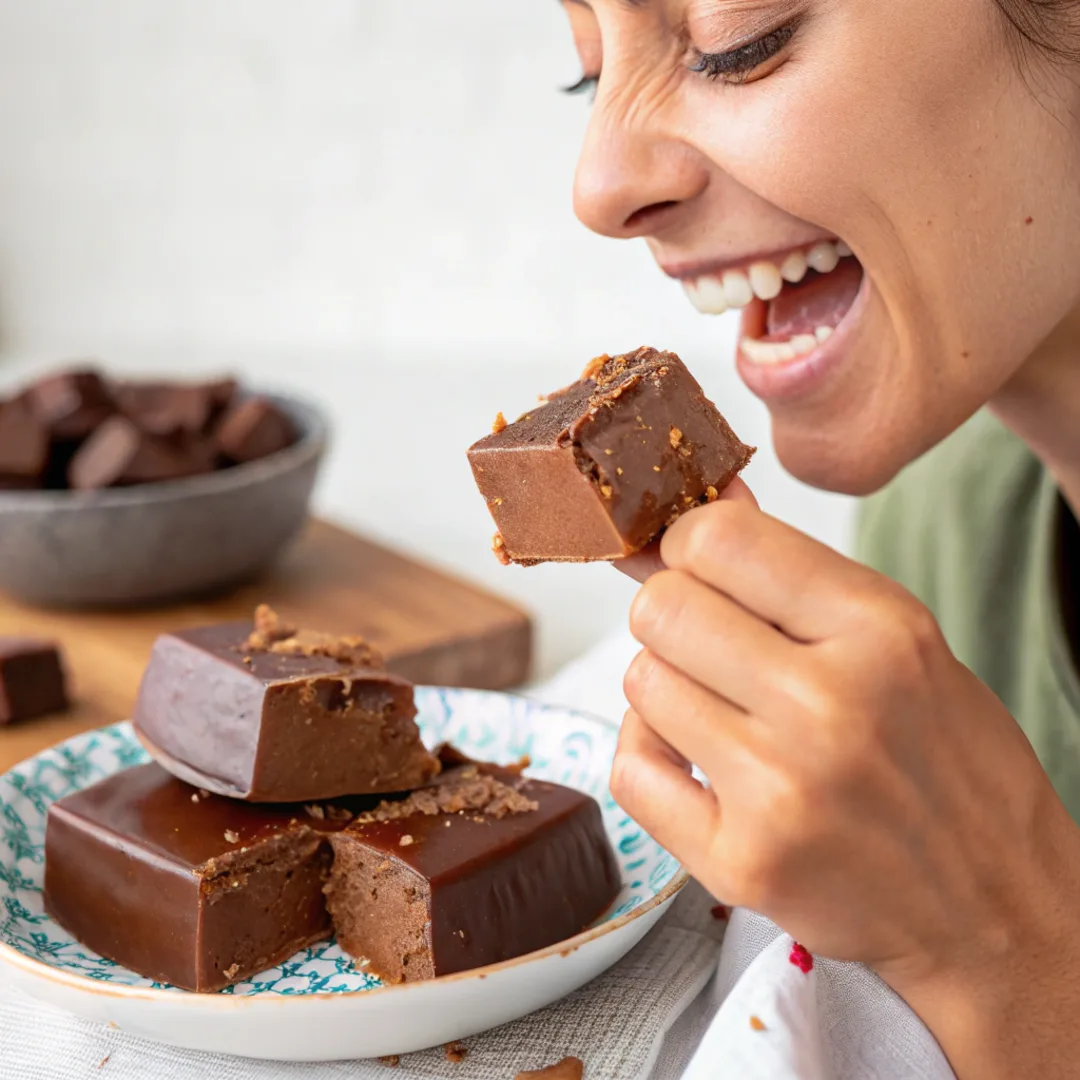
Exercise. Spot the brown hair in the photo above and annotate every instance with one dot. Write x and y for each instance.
(1048, 27)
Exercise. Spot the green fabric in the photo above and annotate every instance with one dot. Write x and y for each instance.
(972, 530)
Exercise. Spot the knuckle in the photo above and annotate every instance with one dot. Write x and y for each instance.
(708, 535)
(657, 604)
(637, 677)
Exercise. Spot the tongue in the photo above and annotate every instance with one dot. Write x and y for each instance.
(818, 300)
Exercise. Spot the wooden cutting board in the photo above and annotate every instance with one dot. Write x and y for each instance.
(431, 627)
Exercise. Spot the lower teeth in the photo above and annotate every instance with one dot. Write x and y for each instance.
(778, 352)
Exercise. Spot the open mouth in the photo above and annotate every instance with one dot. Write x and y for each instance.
(790, 306)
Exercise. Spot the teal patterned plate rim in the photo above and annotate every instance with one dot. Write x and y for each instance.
(565, 746)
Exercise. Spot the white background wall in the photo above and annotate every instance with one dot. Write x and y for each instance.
(366, 200)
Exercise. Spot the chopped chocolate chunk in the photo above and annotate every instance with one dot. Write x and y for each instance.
(24, 446)
(32, 679)
(440, 907)
(278, 724)
(607, 464)
(254, 428)
(71, 404)
(570, 1068)
(119, 454)
(141, 875)
(171, 409)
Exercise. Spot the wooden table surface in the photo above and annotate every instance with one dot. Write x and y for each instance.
(432, 628)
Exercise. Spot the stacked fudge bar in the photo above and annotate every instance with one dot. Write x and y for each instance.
(291, 797)
(77, 429)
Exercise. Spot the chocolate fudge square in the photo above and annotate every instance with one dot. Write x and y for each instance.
(483, 866)
(605, 465)
(184, 887)
(269, 713)
(32, 681)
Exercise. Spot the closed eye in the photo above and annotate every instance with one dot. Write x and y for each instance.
(738, 65)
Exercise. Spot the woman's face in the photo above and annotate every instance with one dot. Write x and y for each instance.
(907, 130)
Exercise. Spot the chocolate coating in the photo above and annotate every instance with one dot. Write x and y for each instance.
(199, 894)
(32, 679)
(606, 464)
(274, 727)
(432, 894)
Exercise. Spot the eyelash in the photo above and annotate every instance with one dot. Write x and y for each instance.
(732, 66)
(735, 65)
(587, 84)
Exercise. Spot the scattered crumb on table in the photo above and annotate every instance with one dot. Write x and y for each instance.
(570, 1068)
(391, 1061)
(757, 1023)
(455, 1051)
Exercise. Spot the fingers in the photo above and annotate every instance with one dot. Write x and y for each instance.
(643, 564)
(692, 722)
(714, 640)
(781, 575)
(659, 793)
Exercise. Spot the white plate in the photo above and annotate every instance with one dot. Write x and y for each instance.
(317, 1006)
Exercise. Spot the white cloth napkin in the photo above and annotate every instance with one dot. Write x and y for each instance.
(666, 1011)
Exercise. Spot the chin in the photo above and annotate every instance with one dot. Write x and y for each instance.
(844, 465)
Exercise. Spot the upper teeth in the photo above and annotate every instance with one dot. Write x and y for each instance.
(713, 295)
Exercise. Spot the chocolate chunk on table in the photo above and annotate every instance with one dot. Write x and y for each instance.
(273, 714)
(480, 867)
(119, 453)
(189, 889)
(254, 428)
(24, 446)
(71, 403)
(32, 681)
(605, 465)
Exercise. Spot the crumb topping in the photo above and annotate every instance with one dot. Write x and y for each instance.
(498, 545)
(499, 425)
(467, 789)
(232, 837)
(711, 494)
(594, 367)
(675, 437)
(273, 635)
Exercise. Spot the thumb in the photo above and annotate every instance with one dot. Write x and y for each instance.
(643, 564)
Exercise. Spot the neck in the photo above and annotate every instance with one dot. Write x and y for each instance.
(1041, 404)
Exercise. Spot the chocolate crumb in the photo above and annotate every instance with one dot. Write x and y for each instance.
(406, 841)
(500, 424)
(273, 635)
(316, 812)
(269, 627)
(570, 1068)
(594, 367)
(675, 437)
(455, 1051)
(720, 912)
(104, 1061)
(498, 545)
(711, 493)
(618, 469)
(606, 490)
(232, 971)
(247, 660)
(232, 837)
(756, 1023)
(391, 1061)
(609, 452)
(497, 501)
(656, 468)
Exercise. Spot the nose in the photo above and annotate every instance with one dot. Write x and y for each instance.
(633, 176)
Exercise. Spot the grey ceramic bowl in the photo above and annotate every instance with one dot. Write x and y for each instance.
(155, 542)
